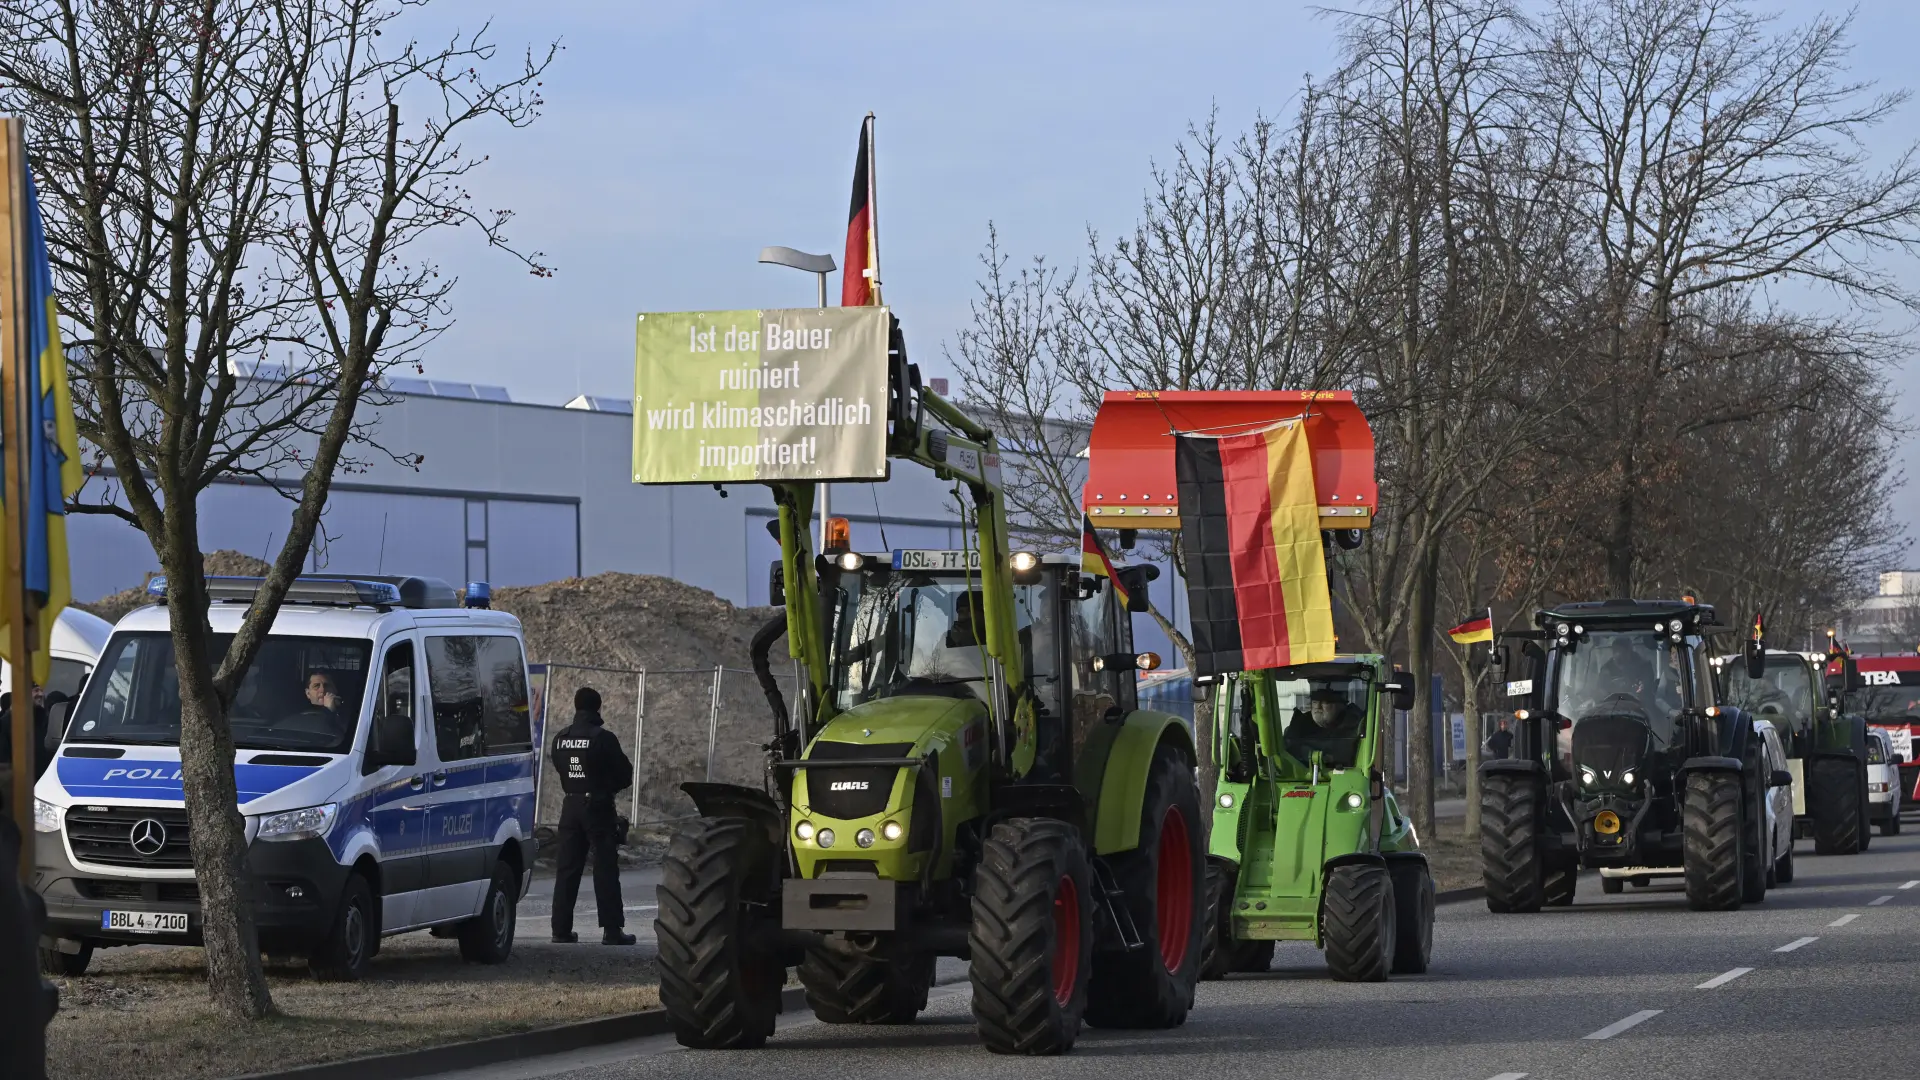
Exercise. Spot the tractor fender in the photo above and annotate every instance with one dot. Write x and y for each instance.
(1391, 857)
(735, 800)
(1711, 764)
(1510, 765)
(1124, 757)
(1367, 858)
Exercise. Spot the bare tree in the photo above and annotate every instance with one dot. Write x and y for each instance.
(232, 202)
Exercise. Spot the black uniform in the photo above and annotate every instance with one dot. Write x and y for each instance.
(1500, 743)
(593, 769)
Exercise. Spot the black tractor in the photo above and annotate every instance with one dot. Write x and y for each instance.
(1623, 760)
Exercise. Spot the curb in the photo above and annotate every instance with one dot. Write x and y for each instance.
(1461, 896)
(411, 1064)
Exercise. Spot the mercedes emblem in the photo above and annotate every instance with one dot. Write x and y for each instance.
(148, 836)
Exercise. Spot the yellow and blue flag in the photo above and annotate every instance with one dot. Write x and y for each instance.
(53, 446)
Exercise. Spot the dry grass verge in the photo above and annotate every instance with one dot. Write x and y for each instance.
(143, 1014)
(1455, 860)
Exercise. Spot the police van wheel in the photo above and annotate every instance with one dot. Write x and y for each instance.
(70, 965)
(343, 955)
(487, 938)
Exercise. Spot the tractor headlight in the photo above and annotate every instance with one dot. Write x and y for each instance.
(851, 561)
(1226, 800)
(1628, 777)
(1023, 562)
(1586, 775)
(804, 830)
(825, 837)
(1562, 629)
(1674, 626)
(1354, 800)
(864, 838)
(892, 830)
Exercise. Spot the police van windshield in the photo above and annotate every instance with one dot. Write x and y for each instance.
(302, 693)
(912, 633)
(1622, 673)
(1782, 692)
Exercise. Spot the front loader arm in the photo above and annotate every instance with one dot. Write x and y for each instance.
(806, 619)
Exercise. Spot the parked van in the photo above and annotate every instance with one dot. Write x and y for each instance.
(78, 637)
(385, 765)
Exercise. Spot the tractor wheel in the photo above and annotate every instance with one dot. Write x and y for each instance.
(719, 991)
(1222, 953)
(1164, 882)
(1557, 884)
(1357, 922)
(843, 989)
(1413, 915)
(1032, 937)
(1834, 800)
(1613, 886)
(1712, 841)
(1509, 851)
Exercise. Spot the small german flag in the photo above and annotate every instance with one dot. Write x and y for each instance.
(1256, 570)
(860, 272)
(1480, 629)
(1093, 560)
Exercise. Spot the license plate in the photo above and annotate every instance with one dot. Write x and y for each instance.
(144, 922)
(911, 559)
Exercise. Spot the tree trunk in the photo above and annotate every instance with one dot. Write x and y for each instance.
(235, 979)
(1470, 722)
(1420, 659)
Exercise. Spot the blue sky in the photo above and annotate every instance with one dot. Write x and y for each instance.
(680, 138)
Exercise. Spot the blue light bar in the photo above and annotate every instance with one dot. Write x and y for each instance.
(479, 594)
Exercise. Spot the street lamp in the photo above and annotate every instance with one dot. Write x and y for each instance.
(821, 265)
(800, 260)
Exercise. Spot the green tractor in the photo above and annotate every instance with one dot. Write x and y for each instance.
(964, 773)
(1308, 843)
(1826, 748)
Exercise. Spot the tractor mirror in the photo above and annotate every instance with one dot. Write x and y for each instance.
(1497, 661)
(777, 585)
(1401, 687)
(1755, 654)
(1134, 579)
(1781, 778)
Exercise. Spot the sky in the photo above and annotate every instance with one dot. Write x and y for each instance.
(680, 138)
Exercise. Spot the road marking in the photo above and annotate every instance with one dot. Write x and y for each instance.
(1909, 885)
(1792, 945)
(1509, 1076)
(1722, 980)
(1844, 919)
(1877, 901)
(1619, 1026)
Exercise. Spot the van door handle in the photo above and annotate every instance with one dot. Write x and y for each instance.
(439, 779)
(417, 782)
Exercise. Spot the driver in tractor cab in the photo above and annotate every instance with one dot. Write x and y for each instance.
(1330, 724)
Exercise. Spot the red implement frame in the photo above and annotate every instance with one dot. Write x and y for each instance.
(1130, 481)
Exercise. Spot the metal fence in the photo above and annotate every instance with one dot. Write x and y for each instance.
(676, 724)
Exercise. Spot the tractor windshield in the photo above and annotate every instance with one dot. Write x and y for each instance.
(909, 633)
(1782, 695)
(1621, 673)
(1325, 714)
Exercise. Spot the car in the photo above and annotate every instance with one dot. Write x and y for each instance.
(1779, 827)
(1883, 783)
(385, 769)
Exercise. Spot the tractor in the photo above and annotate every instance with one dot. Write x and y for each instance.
(1307, 841)
(1826, 748)
(1625, 759)
(963, 772)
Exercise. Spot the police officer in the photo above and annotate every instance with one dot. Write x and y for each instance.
(593, 769)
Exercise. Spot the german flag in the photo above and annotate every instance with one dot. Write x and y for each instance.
(1256, 571)
(1093, 560)
(860, 270)
(1480, 629)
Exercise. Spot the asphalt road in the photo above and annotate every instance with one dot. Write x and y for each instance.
(1821, 979)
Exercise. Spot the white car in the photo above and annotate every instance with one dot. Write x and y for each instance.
(1779, 830)
(1883, 783)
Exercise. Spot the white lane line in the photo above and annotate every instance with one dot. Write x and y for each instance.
(1723, 979)
(1844, 919)
(1509, 1076)
(1877, 901)
(1909, 885)
(1619, 1026)
(1792, 945)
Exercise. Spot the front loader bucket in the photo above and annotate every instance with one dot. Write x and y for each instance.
(1130, 477)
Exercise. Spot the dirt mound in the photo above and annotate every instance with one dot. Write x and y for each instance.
(218, 563)
(679, 634)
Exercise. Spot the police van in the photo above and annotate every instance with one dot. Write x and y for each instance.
(385, 763)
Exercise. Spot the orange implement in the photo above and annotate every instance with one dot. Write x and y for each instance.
(1130, 481)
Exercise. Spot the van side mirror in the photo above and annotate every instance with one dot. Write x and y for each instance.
(389, 741)
(1400, 686)
(777, 585)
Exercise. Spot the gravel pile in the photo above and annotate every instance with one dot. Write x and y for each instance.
(218, 563)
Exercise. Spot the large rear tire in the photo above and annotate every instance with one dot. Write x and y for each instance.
(1510, 863)
(1833, 797)
(1413, 915)
(1032, 938)
(719, 992)
(843, 989)
(1358, 924)
(1164, 883)
(1712, 841)
(1223, 954)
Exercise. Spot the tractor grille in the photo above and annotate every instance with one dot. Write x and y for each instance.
(851, 801)
(104, 836)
